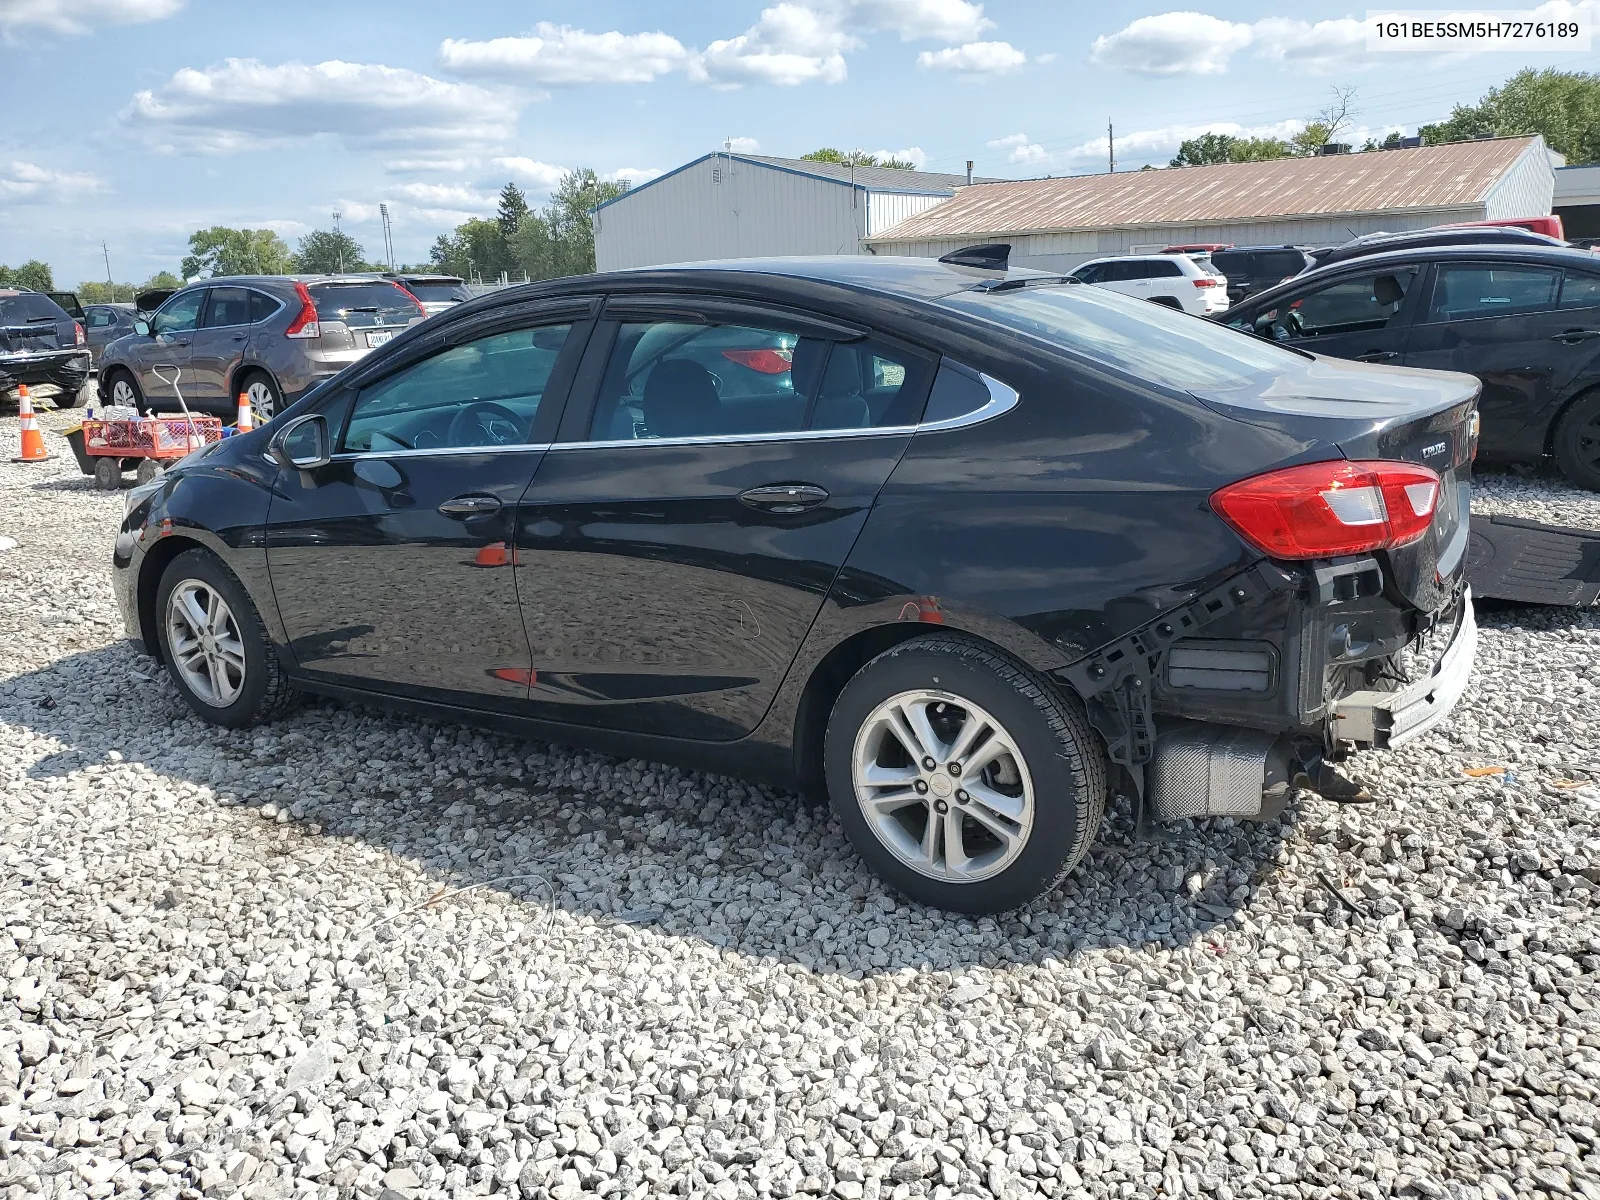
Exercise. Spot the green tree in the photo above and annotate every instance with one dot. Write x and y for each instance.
(513, 211)
(323, 252)
(1211, 148)
(476, 249)
(98, 291)
(161, 279)
(224, 251)
(31, 274)
(1327, 125)
(897, 164)
(1563, 107)
(1392, 142)
(845, 158)
(559, 239)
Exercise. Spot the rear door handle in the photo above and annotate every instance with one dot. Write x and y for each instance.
(470, 506)
(783, 498)
(1377, 356)
(1573, 336)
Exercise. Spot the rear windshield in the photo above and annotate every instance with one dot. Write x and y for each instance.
(360, 305)
(435, 293)
(29, 306)
(1147, 341)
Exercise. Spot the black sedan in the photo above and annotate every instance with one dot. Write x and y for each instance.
(959, 548)
(1524, 320)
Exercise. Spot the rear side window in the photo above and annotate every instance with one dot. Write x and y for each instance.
(24, 307)
(1580, 291)
(1161, 270)
(229, 306)
(363, 305)
(1146, 341)
(1462, 291)
(262, 306)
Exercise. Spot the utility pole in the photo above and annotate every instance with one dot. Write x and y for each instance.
(338, 239)
(1111, 148)
(388, 237)
(109, 284)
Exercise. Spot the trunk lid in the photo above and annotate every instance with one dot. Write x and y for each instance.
(1364, 411)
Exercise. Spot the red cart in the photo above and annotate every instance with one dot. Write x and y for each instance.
(105, 449)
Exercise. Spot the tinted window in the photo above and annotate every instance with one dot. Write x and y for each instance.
(482, 393)
(1465, 290)
(1355, 305)
(1232, 262)
(1090, 274)
(1143, 340)
(1162, 270)
(361, 305)
(956, 392)
(180, 313)
(1580, 291)
(439, 292)
(1120, 272)
(1277, 264)
(262, 306)
(101, 318)
(29, 306)
(229, 306)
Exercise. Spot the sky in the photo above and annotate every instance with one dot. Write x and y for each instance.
(136, 122)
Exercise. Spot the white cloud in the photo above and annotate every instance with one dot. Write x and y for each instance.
(1158, 145)
(975, 58)
(945, 20)
(1043, 59)
(29, 181)
(633, 176)
(915, 155)
(287, 229)
(1320, 48)
(429, 164)
(542, 176)
(560, 56)
(241, 103)
(790, 44)
(450, 195)
(1173, 43)
(77, 17)
(743, 145)
(1019, 149)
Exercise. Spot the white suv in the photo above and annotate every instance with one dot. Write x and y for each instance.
(1176, 280)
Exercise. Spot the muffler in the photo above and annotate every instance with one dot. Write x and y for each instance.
(1202, 770)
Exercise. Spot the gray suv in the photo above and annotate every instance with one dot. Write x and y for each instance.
(273, 337)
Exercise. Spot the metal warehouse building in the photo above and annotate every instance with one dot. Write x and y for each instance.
(746, 205)
(1059, 223)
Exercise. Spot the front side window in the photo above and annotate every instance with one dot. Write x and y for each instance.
(229, 306)
(485, 392)
(1090, 274)
(101, 318)
(668, 379)
(179, 314)
(1466, 290)
(1359, 304)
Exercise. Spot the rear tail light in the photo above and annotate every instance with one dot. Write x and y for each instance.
(77, 331)
(1205, 282)
(305, 323)
(767, 361)
(1325, 509)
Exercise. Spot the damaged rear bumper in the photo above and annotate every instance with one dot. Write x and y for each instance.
(65, 369)
(1386, 720)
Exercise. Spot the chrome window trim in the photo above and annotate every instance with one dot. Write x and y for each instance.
(1002, 399)
(437, 451)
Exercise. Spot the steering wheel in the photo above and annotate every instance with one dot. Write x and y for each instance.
(485, 423)
(1294, 322)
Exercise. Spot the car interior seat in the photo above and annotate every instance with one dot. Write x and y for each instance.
(680, 400)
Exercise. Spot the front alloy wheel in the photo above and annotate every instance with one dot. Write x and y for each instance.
(123, 392)
(943, 786)
(206, 647)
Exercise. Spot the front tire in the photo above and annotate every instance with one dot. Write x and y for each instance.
(963, 779)
(1576, 441)
(215, 645)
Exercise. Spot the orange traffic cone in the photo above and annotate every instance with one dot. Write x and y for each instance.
(32, 440)
(247, 419)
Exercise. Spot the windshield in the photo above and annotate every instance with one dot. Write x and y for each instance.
(22, 307)
(1141, 339)
(439, 293)
(360, 305)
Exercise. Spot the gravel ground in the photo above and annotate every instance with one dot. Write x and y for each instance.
(242, 963)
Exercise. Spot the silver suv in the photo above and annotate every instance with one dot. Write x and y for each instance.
(273, 337)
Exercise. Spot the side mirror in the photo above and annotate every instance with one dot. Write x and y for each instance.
(141, 327)
(302, 444)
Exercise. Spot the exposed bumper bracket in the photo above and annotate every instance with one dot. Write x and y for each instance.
(1386, 720)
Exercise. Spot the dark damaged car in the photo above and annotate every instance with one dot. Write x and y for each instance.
(40, 345)
(961, 549)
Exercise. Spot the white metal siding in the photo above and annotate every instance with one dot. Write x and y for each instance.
(1527, 189)
(1578, 185)
(1063, 251)
(723, 208)
(890, 208)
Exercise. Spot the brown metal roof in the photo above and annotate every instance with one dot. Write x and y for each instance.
(1429, 177)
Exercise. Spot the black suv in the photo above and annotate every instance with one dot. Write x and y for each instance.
(1251, 269)
(41, 345)
(1525, 319)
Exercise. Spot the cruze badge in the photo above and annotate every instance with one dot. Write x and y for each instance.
(1436, 448)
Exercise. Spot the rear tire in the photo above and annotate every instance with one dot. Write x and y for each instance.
(1576, 441)
(265, 399)
(1023, 821)
(123, 388)
(215, 645)
(71, 399)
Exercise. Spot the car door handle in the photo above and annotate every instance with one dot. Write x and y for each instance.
(783, 498)
(1573, 336)
(1377, 356)
(470, 506)
(239, 337)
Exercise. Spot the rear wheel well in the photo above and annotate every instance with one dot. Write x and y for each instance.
(243, 372)
(1166, 302)
(1571, 402)
(150, 573)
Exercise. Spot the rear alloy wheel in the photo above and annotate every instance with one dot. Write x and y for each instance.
(124, 391)
(215, 646)
(263, 394)
(963, 779)
(1577, 442)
